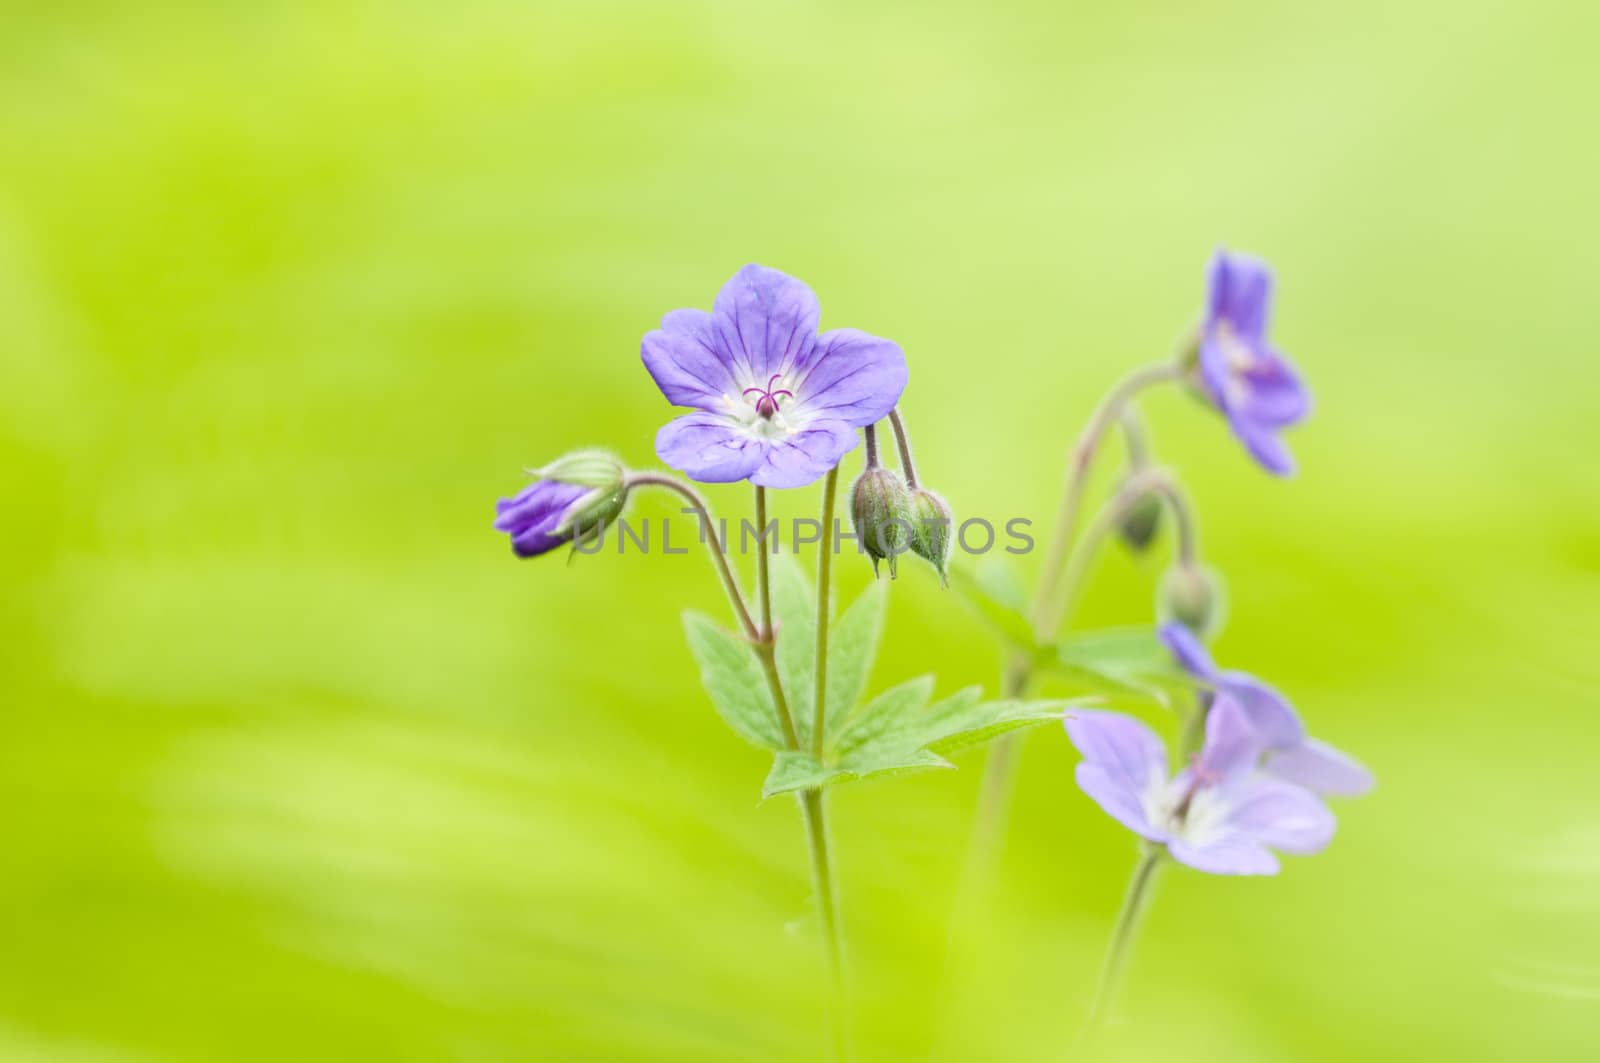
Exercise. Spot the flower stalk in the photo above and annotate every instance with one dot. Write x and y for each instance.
(1134, 903)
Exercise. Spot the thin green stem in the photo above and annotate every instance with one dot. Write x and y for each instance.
(718, 555)
(902, 438)
(1133, 905)
(1107, 414)
(762, 580)
(1106, 522)
(830, 490)
(815, 802)
(1003, 752)
(813, 807)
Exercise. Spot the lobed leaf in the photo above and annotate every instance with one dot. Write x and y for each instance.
(732, 675)
(852, 647)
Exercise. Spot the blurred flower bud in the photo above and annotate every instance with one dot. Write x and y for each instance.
(1140, 523)
(930, 529)
(576, 495)
(880, 507)
(1192, 594)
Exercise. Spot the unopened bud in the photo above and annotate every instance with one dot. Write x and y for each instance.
(575, 496)
(930, 529)
(1140, 523)
(1193, 595)
(880, 507)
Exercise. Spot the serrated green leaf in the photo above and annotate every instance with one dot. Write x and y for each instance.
(885, 716)
(794, 616)
(989, 719)
(852, 647)
(793, 770)
(732, 675)
(873, 762)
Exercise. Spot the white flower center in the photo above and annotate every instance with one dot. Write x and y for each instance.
(1194, 814)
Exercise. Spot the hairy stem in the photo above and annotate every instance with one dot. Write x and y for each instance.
(830, 488)
(1106, 522)
(908, 468)
(707, 535)
(1133, 905)
(1107, 414)
(871, 434)
(762, 581)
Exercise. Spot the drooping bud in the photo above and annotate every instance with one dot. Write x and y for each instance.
(930, 529)
(1193, 595)
(1140, 523)
(880, 507)
(575, 495)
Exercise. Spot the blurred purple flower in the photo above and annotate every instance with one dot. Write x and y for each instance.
(776, 403)
(1254, 386)
(1218, 815)
(1288, 752)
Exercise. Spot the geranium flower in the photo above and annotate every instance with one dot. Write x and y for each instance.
(1218, 815)
(1254, 386)
(1287, 751)
(776, 403)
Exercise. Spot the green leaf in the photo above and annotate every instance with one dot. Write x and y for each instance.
(792, 770)
(733, 677)
(994, 594)
(1121, 660)
(794, 616)
(852, 647)
(986, 720)
(897, 732)
(881, 719)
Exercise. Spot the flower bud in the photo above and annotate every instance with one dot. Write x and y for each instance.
(880, 507)
(1140, 523)
(1193, 595)
(576, 495)
(930, 529)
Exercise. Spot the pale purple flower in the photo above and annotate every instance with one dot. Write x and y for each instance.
(776, 403)
(1254, 386)
(1219, 814)
(1287, 751)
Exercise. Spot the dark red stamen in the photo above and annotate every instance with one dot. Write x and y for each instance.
(767, 399)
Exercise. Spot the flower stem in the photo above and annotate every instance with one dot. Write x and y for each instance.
(1107, 414)
(830, 489)
(908, 468)
(1106, 522)
(719, 556)
(762, 582)
(871, 434)
(814, 800)
(1003, 754)
(1133, 905)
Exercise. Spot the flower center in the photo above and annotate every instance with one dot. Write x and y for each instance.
(766, 399)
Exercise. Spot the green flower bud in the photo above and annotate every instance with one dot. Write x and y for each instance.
(606, 478)
(880, 507)
(585, 468)
(1140, 523)
(1193, 595)
(930, 529)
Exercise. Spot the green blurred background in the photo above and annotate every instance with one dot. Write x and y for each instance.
(297, 762)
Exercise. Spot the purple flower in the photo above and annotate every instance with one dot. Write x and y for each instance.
(577, 494)
(1254, 386)
(1219, 814)
(776, 403)
(1288, 752)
